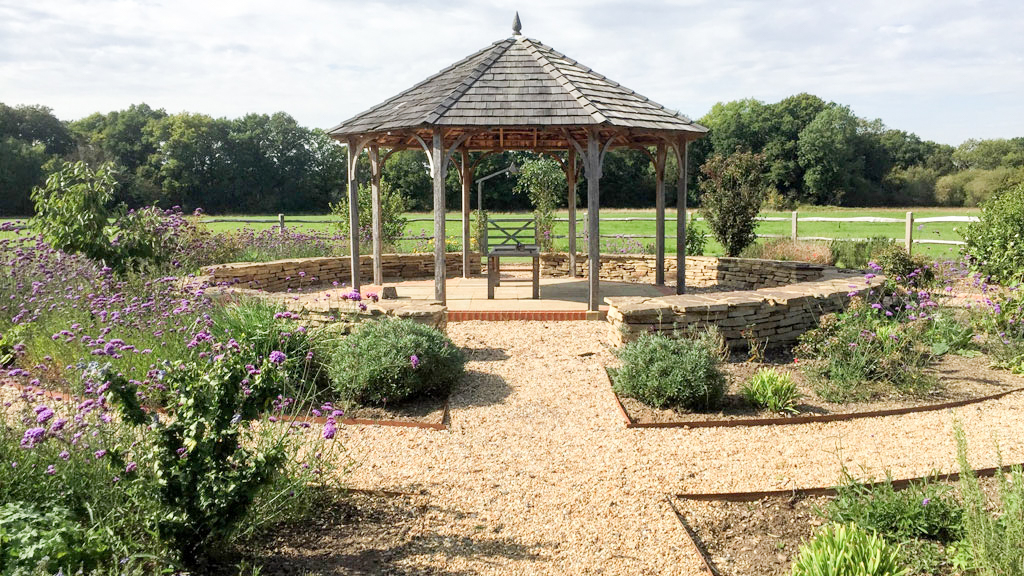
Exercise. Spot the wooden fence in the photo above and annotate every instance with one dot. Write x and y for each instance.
(908, 239)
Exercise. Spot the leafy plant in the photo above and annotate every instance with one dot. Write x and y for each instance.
(72, 209)
(732, 193)
(390, 360)
(993, 530)
(392, 210)
(772, 390)
(672, 372)
(202, 452)
(51, 540)
(863, 353)
(924, 510)
(695, 240)
(995, 244)
(544, 182)
(900, 267)
(847, 550)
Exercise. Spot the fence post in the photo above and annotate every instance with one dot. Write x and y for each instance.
(794, 225)
(280, 222)
(910, 232)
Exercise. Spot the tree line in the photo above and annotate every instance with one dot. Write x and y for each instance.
(815, 152)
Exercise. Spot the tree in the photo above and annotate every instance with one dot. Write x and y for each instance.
(827, 151)
(732, 189)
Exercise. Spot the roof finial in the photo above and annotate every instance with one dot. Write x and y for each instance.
(517, 26)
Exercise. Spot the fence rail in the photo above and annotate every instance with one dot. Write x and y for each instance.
(908, 239)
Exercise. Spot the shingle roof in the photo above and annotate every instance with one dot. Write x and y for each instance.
(517, 82)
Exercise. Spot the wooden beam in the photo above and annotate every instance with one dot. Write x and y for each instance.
(353, 211)
(439, 168)
(659, 209)
(570, 179)
(467, 183)
(378, 225)
(682, 157)
(593, 164)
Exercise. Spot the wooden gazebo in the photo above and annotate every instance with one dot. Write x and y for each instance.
(518, 94)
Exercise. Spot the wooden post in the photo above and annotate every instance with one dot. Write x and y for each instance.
(353, 213)
(378, 225)
(593, 164)
(794, 226)
(467, 183)
(909, 239)
(439, 156)
(280, 223)
(681, 184)
(570, 179)
(659, 207)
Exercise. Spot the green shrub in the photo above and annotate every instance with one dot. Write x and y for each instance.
(390, 360)
(862, 353)
(839, 550)
(72, 209)
(672, 372)
(995, 244)
(994, 530)
(902, 268)
(947, 333)
(51, 540)
(695, 240)
(732, 193)
(924, 510)
(392, 210)
(263, 327)
(772, 390)
(857, 253)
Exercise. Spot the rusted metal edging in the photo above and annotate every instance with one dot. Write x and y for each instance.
(695, 542)
(784, 420)
(832, 490)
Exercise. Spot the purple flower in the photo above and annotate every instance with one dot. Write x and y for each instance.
(277, 357)
(51, 470)
(32, 437)
(65, 455)
(43, 414)
(329, 429)
(926, 501)
(130, 467)
(99, 454)
(415, 361)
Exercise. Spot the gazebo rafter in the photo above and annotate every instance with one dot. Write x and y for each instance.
(518, 94)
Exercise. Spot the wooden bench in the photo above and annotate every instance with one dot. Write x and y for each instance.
(512, 235)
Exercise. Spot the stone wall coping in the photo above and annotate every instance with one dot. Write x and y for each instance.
(638, 307)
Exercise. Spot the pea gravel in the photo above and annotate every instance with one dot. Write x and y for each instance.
(538, 475)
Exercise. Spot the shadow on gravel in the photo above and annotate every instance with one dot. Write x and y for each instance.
(479, 389)
(368, 534)
(485, 354)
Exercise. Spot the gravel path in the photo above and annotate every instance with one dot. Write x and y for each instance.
(538, 475)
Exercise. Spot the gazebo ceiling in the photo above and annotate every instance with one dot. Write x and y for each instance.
(518, 94)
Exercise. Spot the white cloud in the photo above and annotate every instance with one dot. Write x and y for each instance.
(946, 70)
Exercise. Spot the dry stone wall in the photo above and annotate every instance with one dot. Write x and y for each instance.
(737, 273)
(775, 316)
(281, 275)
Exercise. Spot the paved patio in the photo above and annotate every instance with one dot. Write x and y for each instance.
(556, 294)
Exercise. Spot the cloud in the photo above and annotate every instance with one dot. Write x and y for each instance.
(916, 63)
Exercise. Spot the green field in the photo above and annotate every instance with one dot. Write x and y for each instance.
(611, 228)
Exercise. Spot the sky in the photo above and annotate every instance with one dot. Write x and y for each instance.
(945, 70)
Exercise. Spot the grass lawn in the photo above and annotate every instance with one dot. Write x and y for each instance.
(938, 231)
